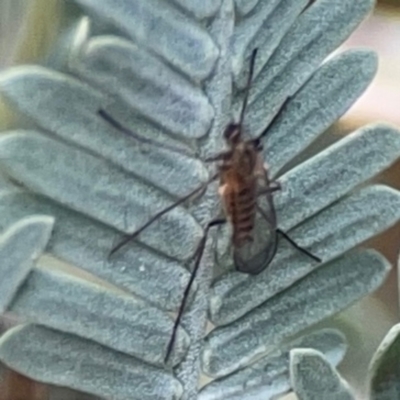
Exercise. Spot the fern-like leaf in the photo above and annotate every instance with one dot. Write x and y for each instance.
(173, 73)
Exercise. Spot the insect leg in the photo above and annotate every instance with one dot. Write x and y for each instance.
(273, 186)
(133, 235)
(219, 157)
(287, 237)
(295, 245)
(198, 254)
(270, 186)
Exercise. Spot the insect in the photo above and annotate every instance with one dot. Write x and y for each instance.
(244, 181)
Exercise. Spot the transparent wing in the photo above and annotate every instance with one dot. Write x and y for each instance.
(253, 257)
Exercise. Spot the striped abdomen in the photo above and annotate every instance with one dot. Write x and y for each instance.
(240, 204)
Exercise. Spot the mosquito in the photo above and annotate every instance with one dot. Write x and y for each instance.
(243, 182)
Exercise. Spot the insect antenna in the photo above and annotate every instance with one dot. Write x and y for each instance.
(288, 238)
(249, 80)
(198, 254)
(274, 119)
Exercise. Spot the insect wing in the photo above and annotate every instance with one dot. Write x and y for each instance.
(253, 257)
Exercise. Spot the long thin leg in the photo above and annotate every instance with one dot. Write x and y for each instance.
(288, 238)
(133, 235)
(295, 245)
(198, 254)
(117, 125)
(273, 187)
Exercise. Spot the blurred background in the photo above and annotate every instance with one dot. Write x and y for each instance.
(380, 102)
(28, 30)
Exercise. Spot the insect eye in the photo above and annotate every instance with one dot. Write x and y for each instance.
(232, 132)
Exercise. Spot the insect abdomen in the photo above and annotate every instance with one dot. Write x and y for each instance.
(242, 211)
